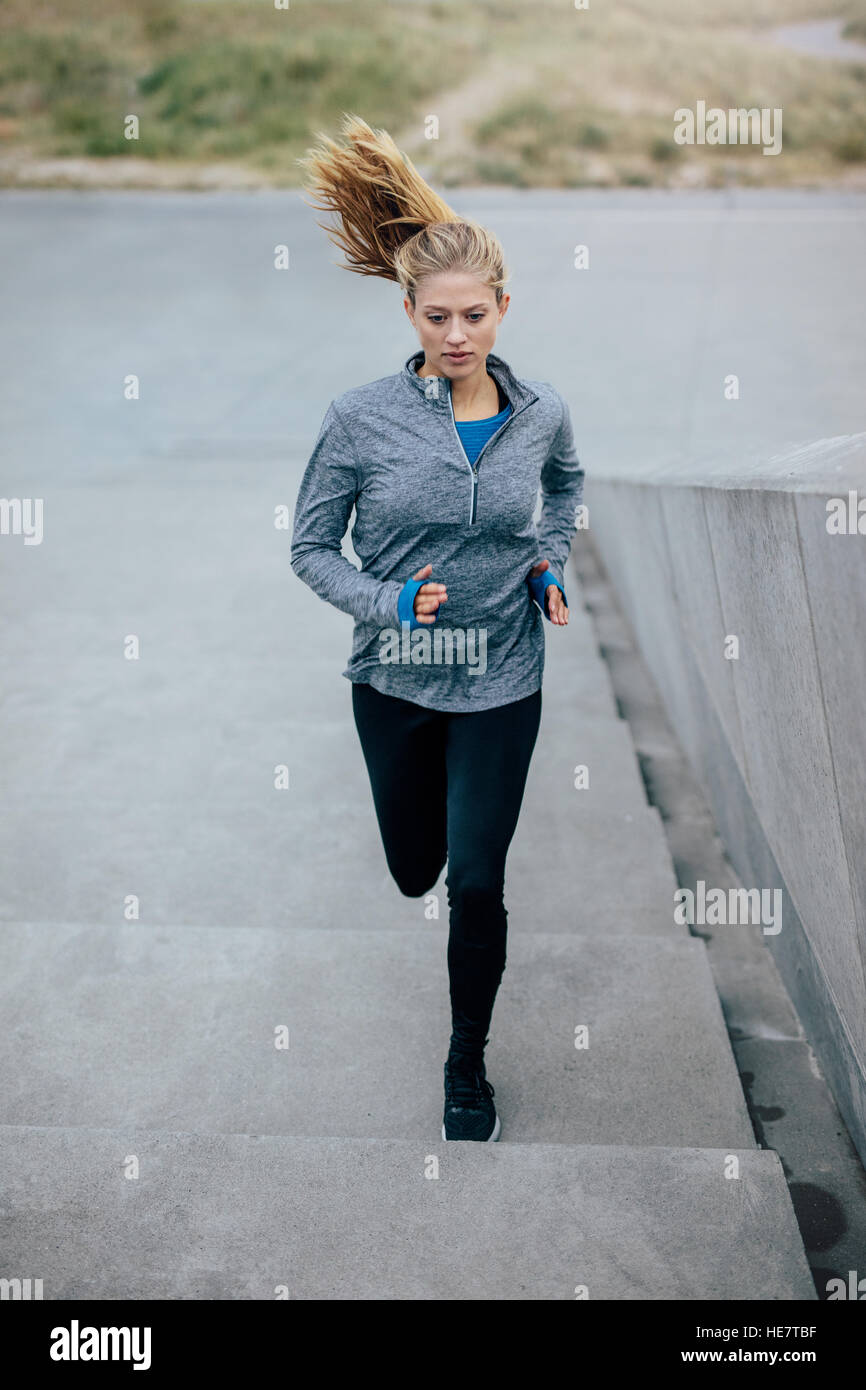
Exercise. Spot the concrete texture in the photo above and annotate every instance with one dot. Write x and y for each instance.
(689, 553)
(640, 342)
(265, 866)
(241, 1216)
(816, 1005)
(774, 739)
(601, 744)
(826, 1179)
(833, 572)
(174, 1028)
(778, 685)
(258, 907)
(790, 1103)
(610, 873)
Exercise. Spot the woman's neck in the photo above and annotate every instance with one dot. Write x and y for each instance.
(475, 397)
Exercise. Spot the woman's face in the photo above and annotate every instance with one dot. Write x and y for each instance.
(456, 318)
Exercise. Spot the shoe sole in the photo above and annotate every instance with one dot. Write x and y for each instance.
(497, 1130)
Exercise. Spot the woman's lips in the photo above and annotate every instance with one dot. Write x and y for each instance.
(458, 356)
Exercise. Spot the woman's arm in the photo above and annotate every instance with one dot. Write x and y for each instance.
(322, 511)
(562, 491)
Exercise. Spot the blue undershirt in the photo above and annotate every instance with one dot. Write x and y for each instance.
(474, 434)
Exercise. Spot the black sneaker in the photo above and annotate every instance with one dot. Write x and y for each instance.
(469, 1109)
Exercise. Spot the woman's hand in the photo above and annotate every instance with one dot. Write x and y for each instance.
(556, 608)
(428, 597)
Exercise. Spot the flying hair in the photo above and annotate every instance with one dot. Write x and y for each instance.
(391, 222)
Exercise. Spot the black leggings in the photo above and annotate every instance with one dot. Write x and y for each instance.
(450, 785)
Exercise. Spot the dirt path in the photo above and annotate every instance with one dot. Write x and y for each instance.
(458, 110)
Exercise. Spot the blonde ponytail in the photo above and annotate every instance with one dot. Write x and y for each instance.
(393, 224)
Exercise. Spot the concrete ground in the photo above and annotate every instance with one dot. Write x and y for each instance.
(790, 1104)
(166, 911)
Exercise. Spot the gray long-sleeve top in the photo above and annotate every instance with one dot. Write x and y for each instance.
(391, 450)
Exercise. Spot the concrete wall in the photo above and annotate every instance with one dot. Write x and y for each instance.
(777, 737)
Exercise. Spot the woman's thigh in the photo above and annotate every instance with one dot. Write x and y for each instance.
(404, 749)
(487, 758)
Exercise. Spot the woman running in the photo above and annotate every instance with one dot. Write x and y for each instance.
(442, 462)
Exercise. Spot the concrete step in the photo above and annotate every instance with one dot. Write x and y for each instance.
(186, 718)
(297, 860)
(150, 750)
(73, 634)
(600, 743)
(174, 1028)
(609, 874)
(204, 580)
(229, 1216)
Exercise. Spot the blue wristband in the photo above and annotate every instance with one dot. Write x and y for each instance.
(538, 585)
(406, 603)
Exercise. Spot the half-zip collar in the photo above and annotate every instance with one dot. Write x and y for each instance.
(436, 393)
(436, 390)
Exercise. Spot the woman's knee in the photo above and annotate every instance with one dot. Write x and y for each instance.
(414, 880)
(475, 891)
